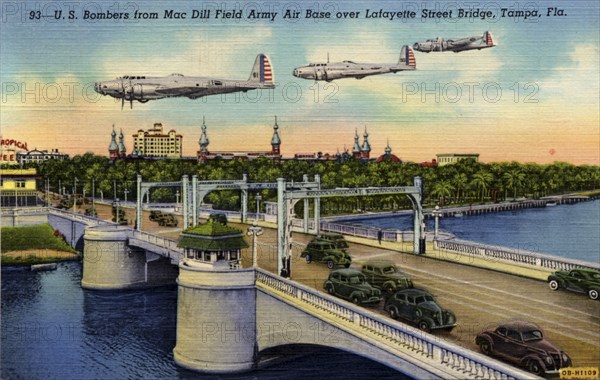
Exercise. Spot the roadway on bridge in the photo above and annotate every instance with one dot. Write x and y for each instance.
(478, 297)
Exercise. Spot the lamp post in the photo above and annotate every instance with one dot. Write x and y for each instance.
(126, 191)
(75, 194)
(258, 198)
(93, 194)
(116, 205)
(254, 231)
(436, 213)
(177, 194)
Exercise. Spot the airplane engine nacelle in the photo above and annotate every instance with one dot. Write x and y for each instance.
(332, 74)
(140, 93)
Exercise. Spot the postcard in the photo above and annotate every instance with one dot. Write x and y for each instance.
(274, 189)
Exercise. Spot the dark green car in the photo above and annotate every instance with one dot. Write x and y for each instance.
(351, 285)
(325, 251)
(385, 275)
(337, 239)
(419, 307)
(578, 280)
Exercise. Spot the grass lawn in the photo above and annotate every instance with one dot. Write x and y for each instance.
(29, 245)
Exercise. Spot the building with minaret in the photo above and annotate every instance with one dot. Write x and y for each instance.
(388, 156)
(122, 149)
(365, 150)
(204, 153)
(275, 141)
(356, 153)
(113, 148)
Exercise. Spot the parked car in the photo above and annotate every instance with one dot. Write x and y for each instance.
(522, 343)
(419, 307)
(384, 274)
(578, 280)
(325, 251)
(351, 284)
(338, 239)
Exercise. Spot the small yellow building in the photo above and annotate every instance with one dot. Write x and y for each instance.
(18, 187)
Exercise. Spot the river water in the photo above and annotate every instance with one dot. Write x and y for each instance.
(53, 329)
(571, 231)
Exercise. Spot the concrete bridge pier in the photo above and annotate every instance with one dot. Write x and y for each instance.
(108, 261)
(216, 320)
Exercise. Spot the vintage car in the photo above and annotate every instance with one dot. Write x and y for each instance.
(522, 343)
(578, 280)
(338, 239)
(351, 285)
(384, 274)
(325, 251)
(419, 307)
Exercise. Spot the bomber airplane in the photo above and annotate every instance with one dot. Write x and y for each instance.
(144, 88)
(471, 43)
(348, 69)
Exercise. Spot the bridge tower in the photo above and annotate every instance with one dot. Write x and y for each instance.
(216, 302)
(108, 261)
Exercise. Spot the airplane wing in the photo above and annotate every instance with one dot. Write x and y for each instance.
(462, 42)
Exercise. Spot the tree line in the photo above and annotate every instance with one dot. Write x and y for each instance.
(466, 182)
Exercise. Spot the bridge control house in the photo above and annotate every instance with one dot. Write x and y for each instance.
(212, 245)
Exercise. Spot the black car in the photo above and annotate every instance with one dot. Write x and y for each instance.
(351, 285)
(419, 307)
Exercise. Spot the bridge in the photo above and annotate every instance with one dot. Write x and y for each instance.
(226, 318)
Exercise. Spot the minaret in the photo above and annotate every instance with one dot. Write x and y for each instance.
(113, 148)
(388, 150)
(276, 141)
(366, 148)
(356, 147)
(203, 142)
(122, 149)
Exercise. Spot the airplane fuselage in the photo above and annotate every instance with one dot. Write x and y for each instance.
(455, 45)
(144, 88)
(346, 69)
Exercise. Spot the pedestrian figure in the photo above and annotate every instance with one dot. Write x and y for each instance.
(379, 235)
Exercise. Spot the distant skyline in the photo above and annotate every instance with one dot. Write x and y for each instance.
(532, 98)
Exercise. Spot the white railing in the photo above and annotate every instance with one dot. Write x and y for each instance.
(513, 255)
(432, 351)
(169, 245)
(89, 220)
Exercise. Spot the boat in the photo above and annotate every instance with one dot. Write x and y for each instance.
(551, 204)
(458, 214)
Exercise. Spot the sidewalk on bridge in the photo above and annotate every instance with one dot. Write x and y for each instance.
(406, 247)
(458, 258)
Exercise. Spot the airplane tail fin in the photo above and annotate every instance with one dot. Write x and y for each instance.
(407, 57)
(488, 39)
(262, 71)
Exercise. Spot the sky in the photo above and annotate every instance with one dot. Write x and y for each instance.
(532, 98)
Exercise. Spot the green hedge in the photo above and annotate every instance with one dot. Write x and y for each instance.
(31, 237)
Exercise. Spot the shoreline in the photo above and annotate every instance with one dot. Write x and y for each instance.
(28, 257)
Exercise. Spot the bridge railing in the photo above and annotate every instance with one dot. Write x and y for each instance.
(512, 255)
(89, 220)
(159, 241)
(396, 336)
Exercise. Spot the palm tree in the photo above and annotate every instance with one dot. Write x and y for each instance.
(442, 189)
(514, 179)
(481, 180)
(460, 181)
